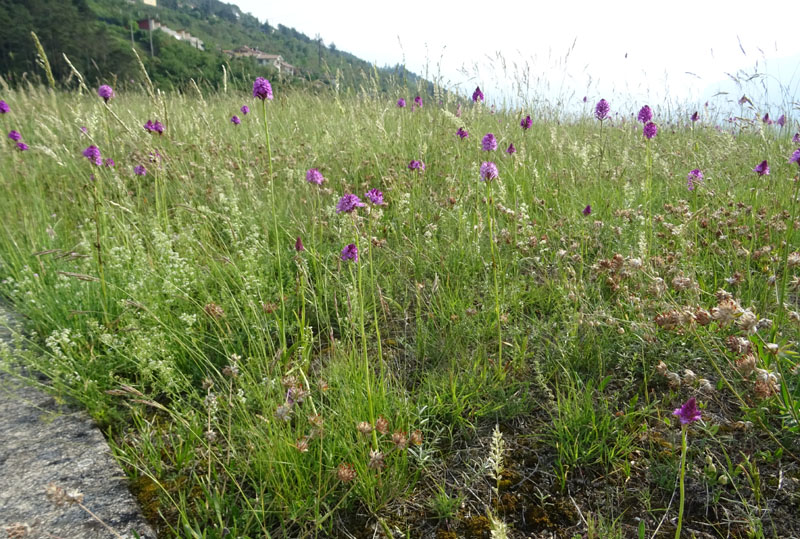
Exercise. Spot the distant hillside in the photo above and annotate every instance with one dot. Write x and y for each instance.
(187, 41)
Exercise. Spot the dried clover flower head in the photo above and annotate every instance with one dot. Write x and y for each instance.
(704, 385)
(231, 371)
(376, 461)
(364, 427)
(399, 440)
(674, 380)
(416, 437)
(702, 317)
(747, 322)
(682, 283)
(738, 345)
(725, 313)
(766, 384)
(746, 364)
(283, 412)
(302, 444)
(61, 496)
(345, 472)
(214, 311)
(382, 425)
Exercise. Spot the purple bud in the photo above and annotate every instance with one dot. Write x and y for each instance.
(688, 413)
(762, 168)
(587, 210)
(477, 95)
(489, 171)
(645, 114)
(650, 130)
(106, 92)
(350, 252)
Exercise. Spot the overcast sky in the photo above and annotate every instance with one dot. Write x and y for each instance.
(627, 47)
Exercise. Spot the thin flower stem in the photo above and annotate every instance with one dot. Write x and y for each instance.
(495, 268)
(275, 227)
(364, 340)
(684, 435)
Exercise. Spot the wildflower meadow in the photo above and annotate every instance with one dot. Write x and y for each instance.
(300, 313)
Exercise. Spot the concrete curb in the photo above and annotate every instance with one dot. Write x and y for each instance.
(44, 443)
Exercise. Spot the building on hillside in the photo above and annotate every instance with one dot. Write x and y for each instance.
(264, 59)
(150, 2)
(182, 35)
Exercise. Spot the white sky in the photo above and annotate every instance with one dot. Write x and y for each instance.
(662, 40)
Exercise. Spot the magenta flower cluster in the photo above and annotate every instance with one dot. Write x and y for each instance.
(695, 176)
(92, 153)
(489, 142)
(17, 138)
(348, 203)
(350, 252)
(154, 127)
(601, 110)
(401, 103)
(416, 165)
(511, 149)
(477, 95)
(762, 169)
(106, 92)
(235, 120)
(375, 196)
(462, 133)
(489, 171)
(650, 130)
(688, 412)
(645, 114)
(245, 110)
(314, 176)
(418, 101)
(526, 122)
(795, 158)
(262, 89)
(4, 108)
